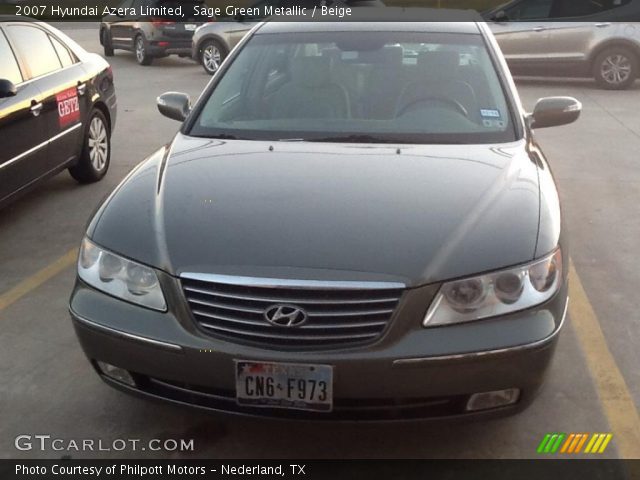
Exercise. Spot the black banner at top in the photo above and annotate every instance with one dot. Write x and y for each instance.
(500, 11)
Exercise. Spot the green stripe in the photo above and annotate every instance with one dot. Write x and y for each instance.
(543, 443)
(555, 448)
(547, 449)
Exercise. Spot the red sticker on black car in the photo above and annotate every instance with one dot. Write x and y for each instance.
(68, 107)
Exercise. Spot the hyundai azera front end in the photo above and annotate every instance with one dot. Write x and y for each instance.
(355, 222)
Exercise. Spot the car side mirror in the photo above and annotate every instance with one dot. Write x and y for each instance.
(7, 88)
(174, 105)
(555, 111)
(500, 17)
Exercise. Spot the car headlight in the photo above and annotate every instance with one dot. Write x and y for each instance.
(120, 277)
(496, 293)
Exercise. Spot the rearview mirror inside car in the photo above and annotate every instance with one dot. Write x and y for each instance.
(174, 105)
(555, 111)
(7, 88)
(500, 16)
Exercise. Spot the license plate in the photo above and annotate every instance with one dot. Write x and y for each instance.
(284, 385)
(190, 27)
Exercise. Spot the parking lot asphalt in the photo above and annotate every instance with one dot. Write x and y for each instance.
(49, 388)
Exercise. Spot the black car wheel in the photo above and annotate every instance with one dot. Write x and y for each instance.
(96, 150)
(142, 56)
(616, 68)
(107, 44)
(213, 54)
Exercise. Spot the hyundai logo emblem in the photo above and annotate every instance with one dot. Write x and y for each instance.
(285, 315)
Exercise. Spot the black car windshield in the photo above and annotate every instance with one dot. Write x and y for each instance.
(365, 87)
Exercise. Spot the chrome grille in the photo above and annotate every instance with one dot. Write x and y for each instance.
(339, 313)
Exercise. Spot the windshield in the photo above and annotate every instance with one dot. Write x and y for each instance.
(359, 87)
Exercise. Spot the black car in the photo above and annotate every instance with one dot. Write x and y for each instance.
(57, 107)
(151, 28)
(355, 221)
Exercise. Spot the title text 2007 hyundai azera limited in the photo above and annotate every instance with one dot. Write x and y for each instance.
(354, 222)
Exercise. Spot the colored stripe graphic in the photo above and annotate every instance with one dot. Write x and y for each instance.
(573, 443)
(551, 442)
(567, 443)
(582, 441)
(543, 443)
(556, 445)
(605, 443)
(598, 443)
(591, 442)
(547, 448)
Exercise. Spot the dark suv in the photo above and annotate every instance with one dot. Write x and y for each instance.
(136, 29)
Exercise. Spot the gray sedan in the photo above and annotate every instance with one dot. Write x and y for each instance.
(308, 248)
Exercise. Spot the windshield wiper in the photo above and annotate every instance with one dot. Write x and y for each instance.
(364, 138)
(225, 136)
(352, 139)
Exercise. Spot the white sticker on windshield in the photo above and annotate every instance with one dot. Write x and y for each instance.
(490, 113)
(492, 118)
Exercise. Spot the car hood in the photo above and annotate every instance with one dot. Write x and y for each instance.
(413, 214)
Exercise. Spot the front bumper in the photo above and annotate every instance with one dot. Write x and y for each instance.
(410, 373)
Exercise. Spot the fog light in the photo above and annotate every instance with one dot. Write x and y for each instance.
(488, 400)
(117, 373)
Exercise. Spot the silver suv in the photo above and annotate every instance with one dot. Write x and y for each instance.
(561, 38)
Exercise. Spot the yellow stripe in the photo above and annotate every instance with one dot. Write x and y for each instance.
(596, 445)
(37, 279)
(591, 442)
(616, 400)
(605, 443)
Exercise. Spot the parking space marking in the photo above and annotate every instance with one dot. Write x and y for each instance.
(37, 279)
(616, 400)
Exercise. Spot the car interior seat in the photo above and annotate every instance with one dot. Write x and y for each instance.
(385, 83)
(438, 83)
(311, 93)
